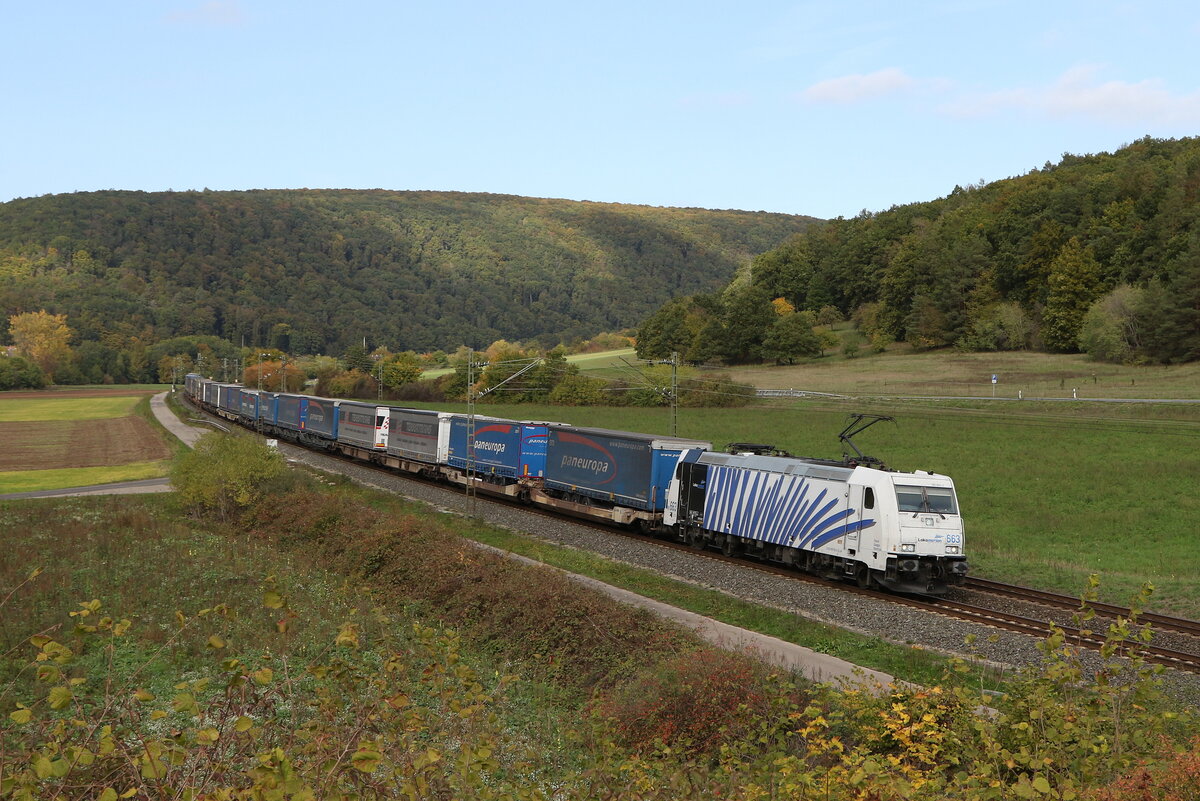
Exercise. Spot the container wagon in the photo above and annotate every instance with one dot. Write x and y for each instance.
(617, 475)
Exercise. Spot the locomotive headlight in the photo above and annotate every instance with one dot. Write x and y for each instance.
(908, 547)
(951, 549)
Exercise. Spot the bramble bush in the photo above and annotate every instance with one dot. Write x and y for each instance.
(693, 702)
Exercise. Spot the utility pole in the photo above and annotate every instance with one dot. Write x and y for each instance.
(673, 393)
(471, 429)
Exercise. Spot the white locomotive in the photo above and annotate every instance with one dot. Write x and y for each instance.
(897, 530)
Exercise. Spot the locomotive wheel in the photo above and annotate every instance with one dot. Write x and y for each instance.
(863, 578)
(729, 546)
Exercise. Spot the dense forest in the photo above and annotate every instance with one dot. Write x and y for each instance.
(311, 271)
(1097, 253)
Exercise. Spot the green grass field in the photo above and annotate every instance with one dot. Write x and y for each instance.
(47, 407)
(585, 361)
(1049, 492)
(34, 480)
(899, 371)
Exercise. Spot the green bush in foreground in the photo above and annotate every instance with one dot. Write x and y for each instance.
(225, 474)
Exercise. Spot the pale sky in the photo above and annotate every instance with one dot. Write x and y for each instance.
(821, 108)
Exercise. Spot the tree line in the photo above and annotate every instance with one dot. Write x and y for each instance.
(1097, 254)
(312, 271)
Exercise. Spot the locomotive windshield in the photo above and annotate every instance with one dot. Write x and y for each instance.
(939, 500)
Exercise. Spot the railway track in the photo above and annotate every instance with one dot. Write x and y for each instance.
(1034, 627)
(1054, 600)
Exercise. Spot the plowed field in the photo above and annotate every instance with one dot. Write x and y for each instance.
(84, 443)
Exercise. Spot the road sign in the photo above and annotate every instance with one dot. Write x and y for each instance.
(993, 378)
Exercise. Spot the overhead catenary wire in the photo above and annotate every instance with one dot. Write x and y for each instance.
(698, 385)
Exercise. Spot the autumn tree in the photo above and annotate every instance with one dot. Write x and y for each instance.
(400, 369)
(42, 337)
(275, 376)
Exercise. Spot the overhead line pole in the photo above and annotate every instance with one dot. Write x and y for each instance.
(674, 391)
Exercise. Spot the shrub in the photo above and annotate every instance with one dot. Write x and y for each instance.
(348, 384)
(694, 702)
(1177, 778)
(579, 390)
(225, 474)
(713, 389)
(18, 373)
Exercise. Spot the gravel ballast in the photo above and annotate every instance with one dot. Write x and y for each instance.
(891, 622)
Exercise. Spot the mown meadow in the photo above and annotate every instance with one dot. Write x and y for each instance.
(1050, 492)
(265, 633)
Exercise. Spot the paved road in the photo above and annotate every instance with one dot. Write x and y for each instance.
(122, 488)
(186, 434)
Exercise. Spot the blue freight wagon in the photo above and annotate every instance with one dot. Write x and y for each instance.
(248, 404)
(534, 437)
(230, 398)
(621, 467)
(497, 446)
(320, 417)
(291, 411)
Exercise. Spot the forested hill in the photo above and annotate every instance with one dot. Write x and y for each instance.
(410, 270)
(1098, 253)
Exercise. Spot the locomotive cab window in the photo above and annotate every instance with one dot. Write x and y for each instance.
(939, 500)
(869, 498)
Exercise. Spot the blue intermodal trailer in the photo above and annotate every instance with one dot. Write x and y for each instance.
(291, 411)
(230, 398)
(320, 418)
(534, 438)
(620, 467)
(248, 408)
(497, 446)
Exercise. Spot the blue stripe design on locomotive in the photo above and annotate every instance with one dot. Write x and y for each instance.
(777, 508)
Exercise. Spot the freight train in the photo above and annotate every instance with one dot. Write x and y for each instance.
(841, 519)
